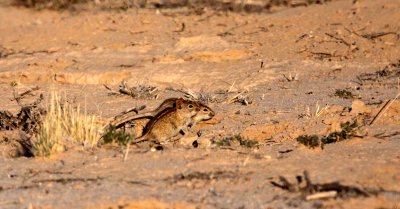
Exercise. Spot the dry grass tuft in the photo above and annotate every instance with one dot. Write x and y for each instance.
(349, 130)
(236, 139)
(62, 125)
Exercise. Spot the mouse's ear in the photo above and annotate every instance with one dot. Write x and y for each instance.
(179, 103)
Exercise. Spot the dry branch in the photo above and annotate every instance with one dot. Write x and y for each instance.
(134, 109)
(19, 97)
(140, 91)
(372, 36)
(383, 109)
(321, 195)
(339, 39)
(240, 98)
(187, 92)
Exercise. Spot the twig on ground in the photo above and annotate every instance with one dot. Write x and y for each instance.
(68, 180)
(134, 109)
(22, 95)
(321, 195)
(313, 191)
(19, 97)
(232, 99)
(324, 55)
(126, 152)
(372, 36)
(240, 98)
(110, 91)
(383, 109)
(319, 111)
(302, 37)
(384, 135)
(290, 78)
(339, 39)
(124, 89)
(232, 86)
(351, 31)
(187, 93)
(140, 91)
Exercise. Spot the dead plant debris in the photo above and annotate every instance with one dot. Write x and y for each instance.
(387, 76)
(344, 94)
(349, 130)
(68, 180)
(134, 109)
(291, 77)
(192, 6)
(204, 176)
(387, 135)
(63, 180)
(235, 139)
(137, 92)
(202, 96)
(5, 52)
(8, 121)
(19, 97)
(208, 97)
(372, 36)
(338, 38)
(48, 4)
(312, 191)
(241, 99)
(27, 120)
(383, 109)
(218, 96)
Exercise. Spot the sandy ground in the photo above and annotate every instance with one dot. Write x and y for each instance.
(289, 64)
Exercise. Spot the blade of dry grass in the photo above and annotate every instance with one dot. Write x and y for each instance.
(384, 109)
(321, 195)
(126, 152)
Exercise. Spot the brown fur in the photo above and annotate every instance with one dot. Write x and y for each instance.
(204, 114)
(167, 104)
(170, 122)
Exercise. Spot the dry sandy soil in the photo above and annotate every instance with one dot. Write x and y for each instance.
(287, 64)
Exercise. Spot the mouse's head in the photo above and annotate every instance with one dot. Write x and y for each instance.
(205, 113)
(187, 106)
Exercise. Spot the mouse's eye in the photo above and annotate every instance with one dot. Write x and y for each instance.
(205, 110)
(190, 106)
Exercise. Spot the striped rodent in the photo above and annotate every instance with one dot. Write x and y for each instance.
(204, 114)
(121, 121)
(170, 122)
